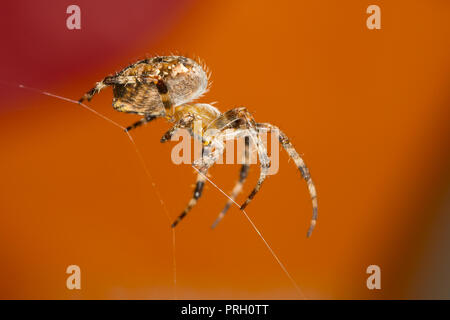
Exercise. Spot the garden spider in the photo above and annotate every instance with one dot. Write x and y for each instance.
(164, 87)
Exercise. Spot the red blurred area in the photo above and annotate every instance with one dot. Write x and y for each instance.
(367, 109)
(41, 50)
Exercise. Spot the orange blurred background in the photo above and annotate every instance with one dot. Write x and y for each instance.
(367, 109)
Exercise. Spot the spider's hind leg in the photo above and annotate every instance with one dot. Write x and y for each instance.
(287, 145)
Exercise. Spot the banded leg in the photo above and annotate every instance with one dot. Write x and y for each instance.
(197, 194)
(120, 79)
(238, 186)
(107, 81)
(184, 123)
(201, 177)
(88, 95)
(141, 122)
(264, 167)
(287, 145)
(240, 118)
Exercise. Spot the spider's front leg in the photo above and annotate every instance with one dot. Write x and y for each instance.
(98, 87)
(117, 79)
(107, 81)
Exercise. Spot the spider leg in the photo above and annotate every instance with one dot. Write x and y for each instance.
(264, 167)
(107, 81)
(98, 87)
(201, 177)
(287, 145)
(197, 194)
(120, 79)
(238, 186)
(141, 122)
(184, 123)
(241, 119)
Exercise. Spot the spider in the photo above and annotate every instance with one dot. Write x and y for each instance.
(165, 87)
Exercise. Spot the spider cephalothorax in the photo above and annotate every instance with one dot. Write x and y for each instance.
(164, 87)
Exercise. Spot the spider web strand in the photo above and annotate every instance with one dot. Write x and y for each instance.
(139, 154)
(259, 234)
(150, 177)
